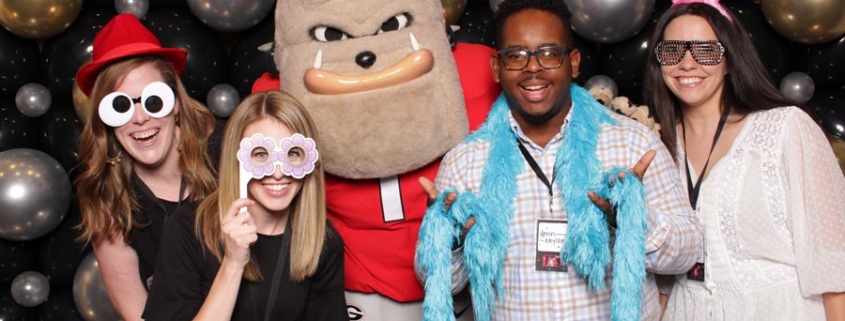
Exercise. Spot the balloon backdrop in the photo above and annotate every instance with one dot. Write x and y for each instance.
(476, 26)
(825, 63)
(589, 59)
(138, 8)
(16, 129)
(59, 305)
(34, 194)
(89, 292)
(228, 15)
(38, 19)
(838, 145)
(30, 289)
(247, 62)
(775, 51)
(453, 10)
(33, 99)
(798, 86)
(65, 53)
(207, 63)
(18, 62)
(60, 135)
(829, 108)
(609, 21)
(11, 310)
(60, 253)
(810, 22)
(222, 100)
(15, 258)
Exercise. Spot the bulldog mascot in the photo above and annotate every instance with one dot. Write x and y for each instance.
(390, 97)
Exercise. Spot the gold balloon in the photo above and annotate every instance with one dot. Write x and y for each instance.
(81, 103)
(38, 19)
(453, 10)
(838, 145)
(806, 21)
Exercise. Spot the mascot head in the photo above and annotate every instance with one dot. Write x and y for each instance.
(378, 78)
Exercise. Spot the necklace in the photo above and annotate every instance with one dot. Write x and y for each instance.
(695, 189)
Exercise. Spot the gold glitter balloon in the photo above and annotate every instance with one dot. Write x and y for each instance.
(38, 19)
(806, 21)
(453, 10)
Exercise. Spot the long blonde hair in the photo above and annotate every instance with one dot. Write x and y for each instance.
(308, 208)
(106, 195)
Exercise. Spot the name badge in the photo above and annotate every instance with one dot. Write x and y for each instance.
(550, 237)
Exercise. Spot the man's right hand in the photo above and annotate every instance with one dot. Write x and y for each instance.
(432, 192)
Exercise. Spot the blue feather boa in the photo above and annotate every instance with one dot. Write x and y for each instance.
(587, 243)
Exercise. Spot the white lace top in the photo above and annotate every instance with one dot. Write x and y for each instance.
(773, 214)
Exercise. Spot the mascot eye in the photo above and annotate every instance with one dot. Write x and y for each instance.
(326, 34)
(396, 22)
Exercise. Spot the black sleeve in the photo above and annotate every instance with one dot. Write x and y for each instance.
(326, 299)
(178, 288)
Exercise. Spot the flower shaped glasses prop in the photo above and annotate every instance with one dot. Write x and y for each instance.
(259, 155)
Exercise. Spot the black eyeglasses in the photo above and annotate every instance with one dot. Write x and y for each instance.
(704, 52)
(550, 57)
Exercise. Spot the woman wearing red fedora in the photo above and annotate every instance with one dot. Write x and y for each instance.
(144, 151)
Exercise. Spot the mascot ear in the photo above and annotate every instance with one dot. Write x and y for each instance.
(269, 62)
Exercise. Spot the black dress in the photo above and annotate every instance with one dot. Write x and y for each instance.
(186, 269)
(151, 214)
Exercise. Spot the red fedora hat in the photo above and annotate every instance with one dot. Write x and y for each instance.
(124, 36)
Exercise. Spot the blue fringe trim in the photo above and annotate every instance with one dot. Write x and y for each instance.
(628, 197)
(587, 245)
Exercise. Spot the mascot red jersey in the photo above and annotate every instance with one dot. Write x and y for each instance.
(389, 96)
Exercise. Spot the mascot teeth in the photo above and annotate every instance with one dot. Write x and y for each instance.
(414, 44)
(318, 61)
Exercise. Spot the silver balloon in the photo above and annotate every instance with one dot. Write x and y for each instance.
(138, 8)
(228, 15)
(33, 99)
(609, 21)
(603, 82)
(222, 100)
(34, 194)
(30, 289)
(89, 292)
(798, 86)
(494, 4)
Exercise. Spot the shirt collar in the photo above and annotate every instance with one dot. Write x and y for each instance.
(519, 134)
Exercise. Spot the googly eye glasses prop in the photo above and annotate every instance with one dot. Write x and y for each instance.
(259, 155)
(117, 108)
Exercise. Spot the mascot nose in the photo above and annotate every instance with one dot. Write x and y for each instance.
(365, 59)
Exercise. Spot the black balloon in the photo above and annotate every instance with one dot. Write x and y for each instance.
(61, 129)
(247, 63)
(825, 63)
(59, 305)
(16, 129)
(11, 310)
(16, 258)
(59, 253)
(65, 53)
(19, 62)
(828, 107)
(589, 59)
(207, 61)
(477, 25)
(775, 51)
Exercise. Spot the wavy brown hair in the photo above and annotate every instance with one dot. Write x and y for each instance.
(308, 208)
(106, 195)
(748, 87)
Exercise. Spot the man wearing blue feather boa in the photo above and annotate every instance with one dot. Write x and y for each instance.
(538, 210)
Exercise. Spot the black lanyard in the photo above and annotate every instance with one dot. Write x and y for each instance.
(695, 189)
(277, 273)
(149, 194)
(537, 170)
